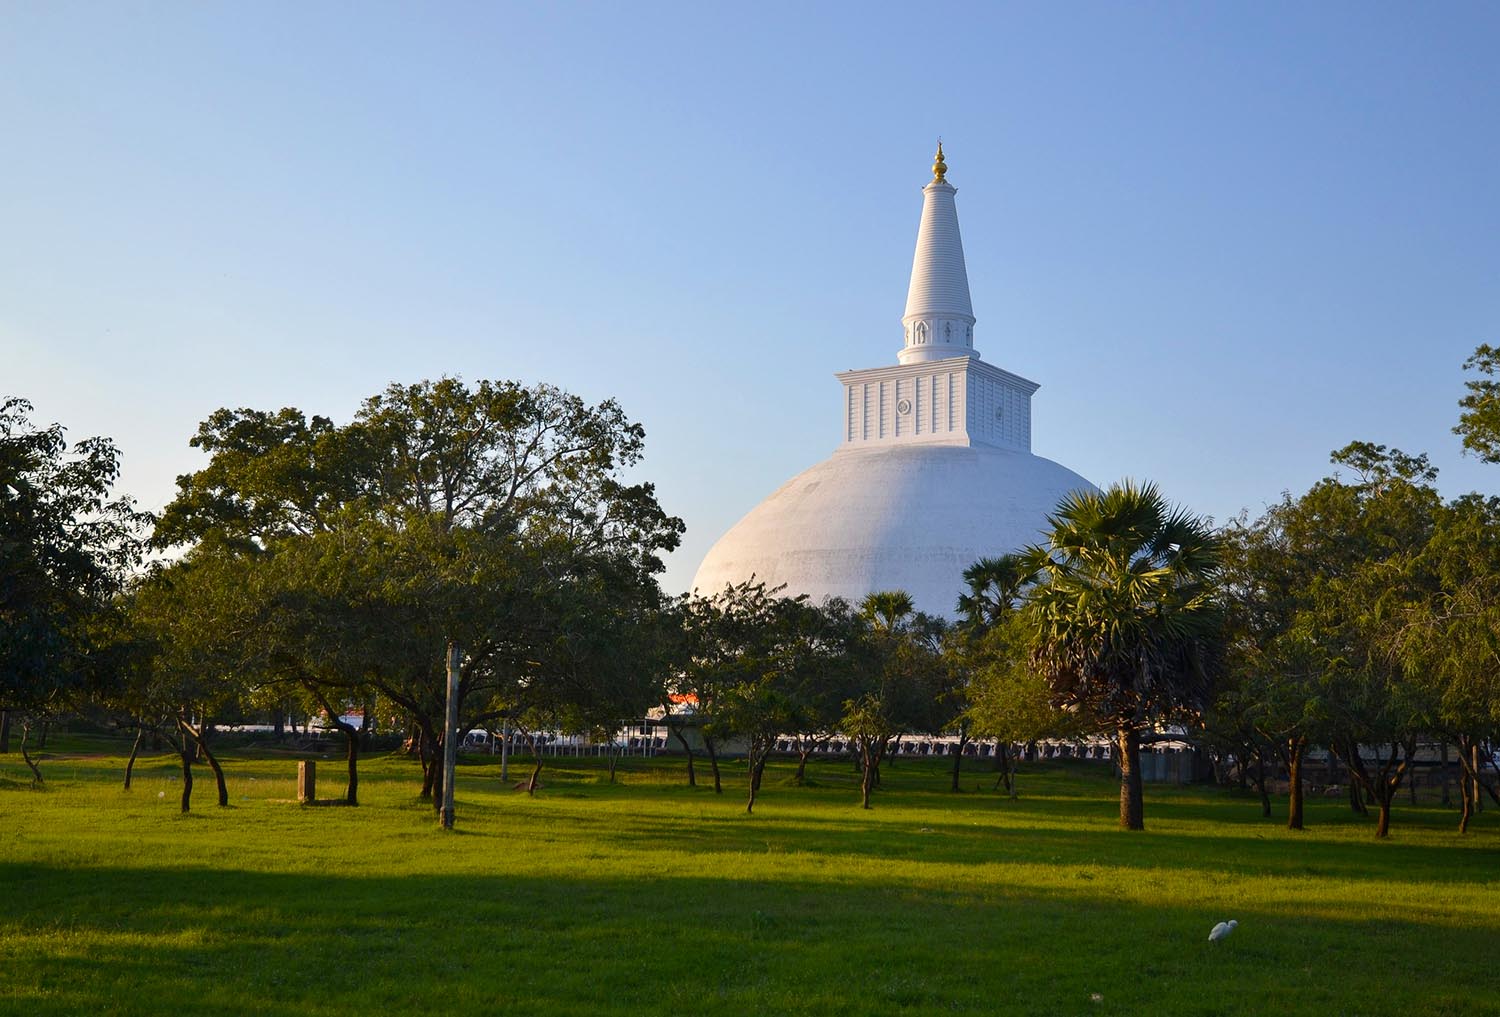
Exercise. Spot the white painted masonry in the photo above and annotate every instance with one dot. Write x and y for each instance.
(934, 467)
(939, 320)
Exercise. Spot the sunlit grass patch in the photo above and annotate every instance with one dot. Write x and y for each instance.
(606, 898)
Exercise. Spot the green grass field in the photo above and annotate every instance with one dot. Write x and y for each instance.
(650, 897)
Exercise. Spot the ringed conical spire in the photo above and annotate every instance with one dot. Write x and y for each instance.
(939, 320)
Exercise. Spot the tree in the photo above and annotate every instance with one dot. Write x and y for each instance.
(826, 674)
(1008, 697)
(1123, 615)
(1479, 423)
(897, 671)
(793, 658)
(1374, 570)
(443, 515)
(67, 547)
(1270, 703)
(725, 666)
(195, 621)
(1001, 696)
(1448, 640)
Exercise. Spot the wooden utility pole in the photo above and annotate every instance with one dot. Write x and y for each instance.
(450, 737)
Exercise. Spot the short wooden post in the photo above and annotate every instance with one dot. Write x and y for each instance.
(307, 780)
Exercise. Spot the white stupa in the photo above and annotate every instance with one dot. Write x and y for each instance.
(934, 470)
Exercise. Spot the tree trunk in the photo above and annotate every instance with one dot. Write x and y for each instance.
(135, 750)
(4, 732)
(351, 743)
(1296, 748)
(688, 749)
(366, 729)
(280, 723)
(428, 754)
(36, 774)
(713, 762)
(201, 738)
(1132, 804)
(46, 725)
(801, 774)
(1260, 783)
(185, 753)
(1447, 800)
(435, 772)
(1358, 778)
(759, 749)
(351, 736)
(1392, 770)
(1468, 781)
(958, 758)
(867, 775)
(1474, 765)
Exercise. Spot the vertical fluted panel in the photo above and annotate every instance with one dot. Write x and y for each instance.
(939, 281)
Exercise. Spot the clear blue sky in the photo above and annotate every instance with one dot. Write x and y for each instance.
(1225, 238)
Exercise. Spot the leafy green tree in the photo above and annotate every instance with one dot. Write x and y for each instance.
(196, 627)
(1270, 703)
(1479, 423)
(1000, 694)
(1370, 535)
(827, 672)
(1447, 640)
(728, 642)
(68, 545)
(486, 517)
(1124, 617)
(1008, 698)
(898, 679)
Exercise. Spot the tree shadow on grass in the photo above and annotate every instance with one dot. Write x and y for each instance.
(1180, 838)
(259, 944)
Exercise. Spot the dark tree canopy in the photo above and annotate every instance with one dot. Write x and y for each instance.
(67, 547)
(491, 516)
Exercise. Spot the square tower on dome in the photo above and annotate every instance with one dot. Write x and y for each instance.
(958, 401)
(941, 393)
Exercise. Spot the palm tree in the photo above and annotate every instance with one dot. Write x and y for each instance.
(1123, 614)
(995, 587)
(887, 610)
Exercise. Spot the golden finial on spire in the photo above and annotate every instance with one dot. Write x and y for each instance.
(939, 167)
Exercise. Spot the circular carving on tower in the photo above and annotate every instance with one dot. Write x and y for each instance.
(903, 406)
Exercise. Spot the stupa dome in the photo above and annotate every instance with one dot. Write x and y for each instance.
(897, 518)
(934, 471)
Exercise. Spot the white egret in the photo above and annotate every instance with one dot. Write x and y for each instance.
(1222, 929)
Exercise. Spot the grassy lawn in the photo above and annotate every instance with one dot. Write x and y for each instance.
(650, 897)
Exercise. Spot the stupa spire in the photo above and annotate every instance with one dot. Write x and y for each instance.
(939, 319)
